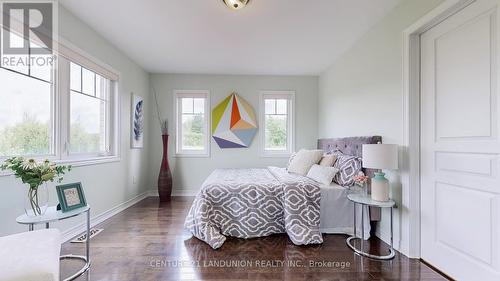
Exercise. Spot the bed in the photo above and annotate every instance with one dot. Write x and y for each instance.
(334, 197)
(249, 203)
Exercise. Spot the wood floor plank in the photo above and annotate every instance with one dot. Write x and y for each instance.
(148, 242)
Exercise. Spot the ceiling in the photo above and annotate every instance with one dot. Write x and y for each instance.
(280, 37)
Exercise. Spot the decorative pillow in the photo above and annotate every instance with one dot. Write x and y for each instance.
(290, 159)
(349, 167)
(328, 160)
(303, 161)
(322, 174)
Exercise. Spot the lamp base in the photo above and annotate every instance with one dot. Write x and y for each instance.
(380, 187)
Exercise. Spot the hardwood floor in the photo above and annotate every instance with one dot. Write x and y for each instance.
(148, 242)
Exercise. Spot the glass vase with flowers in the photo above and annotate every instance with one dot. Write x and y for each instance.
(35, 175)
(361, 180)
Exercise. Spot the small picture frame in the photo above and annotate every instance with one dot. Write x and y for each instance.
(71, 196)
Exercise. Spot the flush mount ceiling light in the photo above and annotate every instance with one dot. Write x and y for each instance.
(236, 4)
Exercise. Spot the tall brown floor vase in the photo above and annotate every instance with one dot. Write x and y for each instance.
(165, 177)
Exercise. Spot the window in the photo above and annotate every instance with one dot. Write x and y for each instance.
(277, 123)
(89, 121)
(192, 117)
(26, 110)
(89, 112)
(25, 115)
(73, 118)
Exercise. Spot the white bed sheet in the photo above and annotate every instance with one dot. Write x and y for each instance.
(337, 214)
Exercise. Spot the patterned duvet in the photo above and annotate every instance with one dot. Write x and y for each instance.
(248, 203)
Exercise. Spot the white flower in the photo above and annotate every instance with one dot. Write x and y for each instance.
(29, 164)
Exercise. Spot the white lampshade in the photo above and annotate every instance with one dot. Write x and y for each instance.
(380, 156)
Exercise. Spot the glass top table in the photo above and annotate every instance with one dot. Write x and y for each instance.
(367, 200)
(364, 199)
(51, 215)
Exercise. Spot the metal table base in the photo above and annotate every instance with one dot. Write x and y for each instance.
(84, 269)
(85, 258)
(390, 256)
(361, 251)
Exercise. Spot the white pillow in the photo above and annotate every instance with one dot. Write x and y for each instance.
(328, 160)
(290, 160)
(303, 161)
(322, 174)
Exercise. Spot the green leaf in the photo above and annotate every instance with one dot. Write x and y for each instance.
(47, 177)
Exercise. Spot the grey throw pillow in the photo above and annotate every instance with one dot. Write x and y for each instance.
(349, 166)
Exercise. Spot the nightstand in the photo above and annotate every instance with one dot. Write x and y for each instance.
(366, 200)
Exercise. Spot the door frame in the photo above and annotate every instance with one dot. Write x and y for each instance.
(410, 154)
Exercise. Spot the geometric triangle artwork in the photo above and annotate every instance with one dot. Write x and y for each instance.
(233, 122)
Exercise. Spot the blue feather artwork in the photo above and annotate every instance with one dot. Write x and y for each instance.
(137, 121)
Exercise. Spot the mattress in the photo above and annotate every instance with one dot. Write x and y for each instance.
(337, 214)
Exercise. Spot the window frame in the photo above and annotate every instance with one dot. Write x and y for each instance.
(73, 54)
(54, 135)
(179, 152)
(60, 109)
(290, 96)
(109, 116)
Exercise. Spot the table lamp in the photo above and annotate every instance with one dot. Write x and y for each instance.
(380, 156)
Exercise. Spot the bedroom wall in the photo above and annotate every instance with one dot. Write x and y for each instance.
(189, 173)
(361, 93)
(106, 185)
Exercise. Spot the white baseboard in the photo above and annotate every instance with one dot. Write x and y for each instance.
(176, 192)
(97, 219)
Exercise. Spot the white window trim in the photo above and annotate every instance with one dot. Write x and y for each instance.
(290, 95)
(79, 56)
(83, 159)
(67, 49)
(59, 147)
(179, 153)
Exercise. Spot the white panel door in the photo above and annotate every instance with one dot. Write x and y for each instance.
(460, 175)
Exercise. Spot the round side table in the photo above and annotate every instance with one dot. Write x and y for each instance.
(52, 215)
(366, 200)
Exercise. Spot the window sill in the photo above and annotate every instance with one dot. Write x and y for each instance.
(89, 161)
(76, 163)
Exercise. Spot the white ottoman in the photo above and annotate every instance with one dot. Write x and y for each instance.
(30, 256)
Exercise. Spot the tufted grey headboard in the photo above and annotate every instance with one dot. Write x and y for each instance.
(353, 146)
(350, 146)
